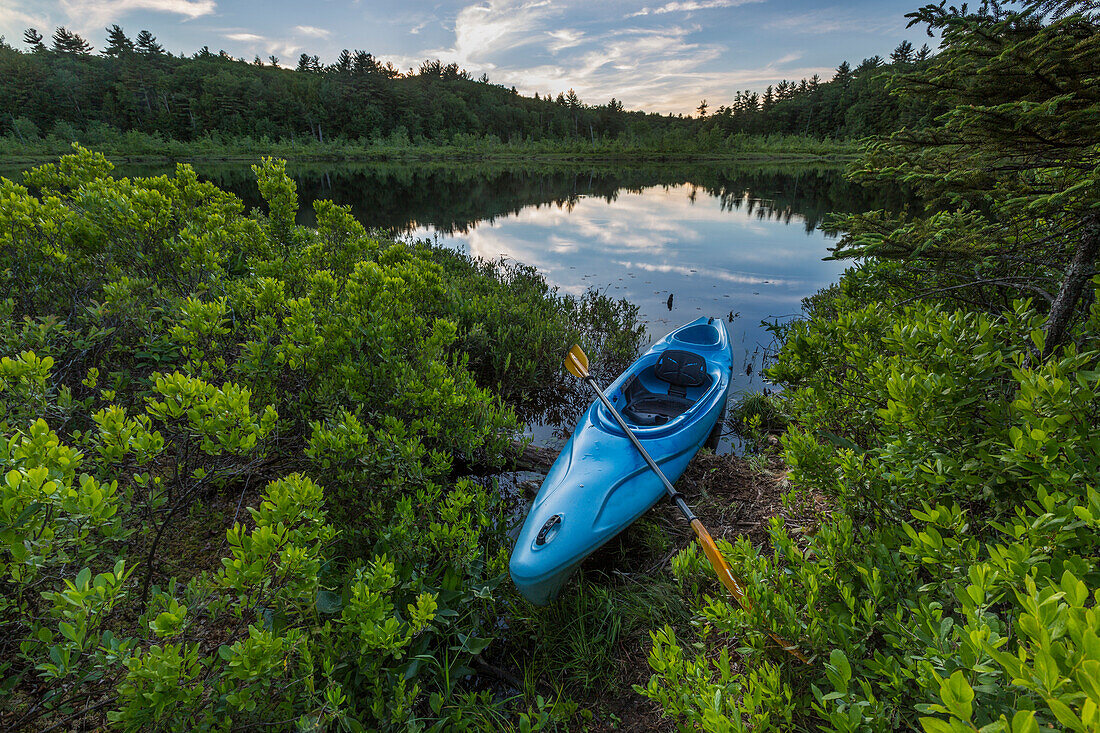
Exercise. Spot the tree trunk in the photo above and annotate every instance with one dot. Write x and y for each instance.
(1080, 271)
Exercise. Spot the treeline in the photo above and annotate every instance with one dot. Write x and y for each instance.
(67, 90)
(855, 103)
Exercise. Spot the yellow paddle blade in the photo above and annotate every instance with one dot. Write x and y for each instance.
(722, 570)
(576, 361)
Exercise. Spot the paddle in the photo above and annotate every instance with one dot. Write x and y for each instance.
(576, 362)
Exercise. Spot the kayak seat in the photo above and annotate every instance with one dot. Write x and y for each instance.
(681, 369)
(646, 408)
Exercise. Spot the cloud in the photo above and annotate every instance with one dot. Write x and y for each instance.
(313, 31)
(687, 6)
(261, 45)
(11, 16)
(565, 38)
(653, 63)
(493, 28)
(87, 14)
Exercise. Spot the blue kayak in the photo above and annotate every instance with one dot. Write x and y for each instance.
(671, 397)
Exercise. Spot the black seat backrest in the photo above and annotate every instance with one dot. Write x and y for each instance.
(681, 368)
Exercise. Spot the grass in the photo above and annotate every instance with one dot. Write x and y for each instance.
(755, 414)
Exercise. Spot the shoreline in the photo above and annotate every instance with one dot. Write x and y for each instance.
(445, 155)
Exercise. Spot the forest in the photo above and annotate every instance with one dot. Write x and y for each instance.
(63, 90)
(247, 464)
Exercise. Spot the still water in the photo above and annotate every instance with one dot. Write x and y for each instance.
(743, 245)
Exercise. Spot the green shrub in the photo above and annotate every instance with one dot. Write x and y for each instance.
(953, 587)
(162, 352)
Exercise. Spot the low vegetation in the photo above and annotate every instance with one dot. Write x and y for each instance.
(170, 361)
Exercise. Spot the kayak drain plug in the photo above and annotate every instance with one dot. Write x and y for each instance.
(549, 530)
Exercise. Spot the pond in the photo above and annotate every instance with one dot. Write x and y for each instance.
(740, 244)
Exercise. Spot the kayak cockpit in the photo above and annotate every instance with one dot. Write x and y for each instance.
(665, 389)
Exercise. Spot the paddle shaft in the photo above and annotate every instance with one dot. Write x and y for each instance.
(710, 549)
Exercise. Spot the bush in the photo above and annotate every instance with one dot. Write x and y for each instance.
(954, 585)
(164, 355)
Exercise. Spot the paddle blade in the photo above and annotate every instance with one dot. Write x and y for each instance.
(576, 361)
(722, 570)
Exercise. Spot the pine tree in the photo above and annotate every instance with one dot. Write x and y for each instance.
(903, 54)
(118, 44)
(868, 65)
(33, 38)
(1011, 169)
(343, 63)
(274, 60)
(68, 42)
(843, 75)
(147, 44)
(701, 110)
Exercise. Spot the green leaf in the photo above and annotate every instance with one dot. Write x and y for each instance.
(83, 578)
(472, 644)
(1024, 722)
(1065, 716)
(329, 602)
(26, 514)
(958, 696)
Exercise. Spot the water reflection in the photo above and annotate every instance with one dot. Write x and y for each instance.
(677, 251)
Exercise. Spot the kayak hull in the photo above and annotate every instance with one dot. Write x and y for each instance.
(600, 485)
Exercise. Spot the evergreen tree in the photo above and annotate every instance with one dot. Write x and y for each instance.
(343, 63)
(903, 54)
(701, 110)
(33, 38)
(843, 75)
(118, 43)
(1011, 170)
(68, 42)
(868, 65)
(147, 44)
(274, 60)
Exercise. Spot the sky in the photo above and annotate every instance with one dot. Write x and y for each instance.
(659, 55)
